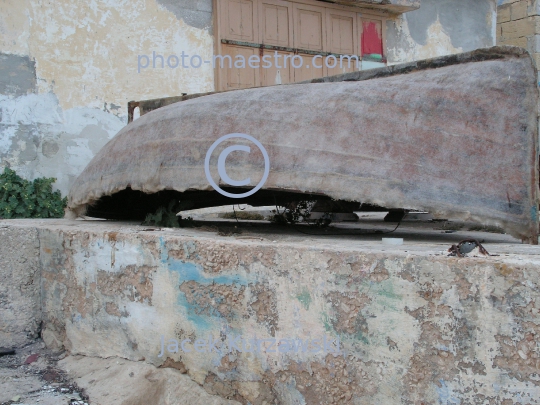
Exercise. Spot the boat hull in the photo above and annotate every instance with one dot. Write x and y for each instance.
(455, 136)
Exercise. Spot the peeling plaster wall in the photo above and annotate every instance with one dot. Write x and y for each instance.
(197, 13)
(38, 138)
(415, 328)
(441, 27)
(68, 69)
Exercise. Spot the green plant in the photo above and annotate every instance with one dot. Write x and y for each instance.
(20, 198)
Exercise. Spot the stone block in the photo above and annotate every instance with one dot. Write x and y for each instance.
(534, 8)
(519, 10)
(521, 28)
(521, 42)
(503, 14)
(533, 43)
(536, 58)
(424, 318)
(20, 306)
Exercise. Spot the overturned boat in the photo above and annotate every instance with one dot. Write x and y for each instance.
(456, 136)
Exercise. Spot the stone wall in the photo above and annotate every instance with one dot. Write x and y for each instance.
(518, 24)
(441, 27)
(414, 326)
(20, 283)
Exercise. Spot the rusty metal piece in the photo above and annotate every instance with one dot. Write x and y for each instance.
(131, 108)
(394, 6)
(280, 48)
(146, 106)
(455, 136)
(466, 246)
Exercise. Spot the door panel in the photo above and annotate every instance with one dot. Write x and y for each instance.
(274, 75)
(308, 71)
(309, 27)
(239, 17)
(237, 77)
(341, 32)
(275, 23)
(343, 66)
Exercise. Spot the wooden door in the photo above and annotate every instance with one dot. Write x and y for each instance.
(275, 23)
(290, 29)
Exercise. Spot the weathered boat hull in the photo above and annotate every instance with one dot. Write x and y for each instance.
(453, 136)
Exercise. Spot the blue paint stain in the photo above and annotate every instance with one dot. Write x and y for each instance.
(188, 271)
(534, 213)
(200, 322)
(295, 396)
(189, 248)
(193, 272)
(164, 253)
(445, 394)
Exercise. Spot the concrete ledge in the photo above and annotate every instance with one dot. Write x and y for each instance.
(20, 306)
(414, 325)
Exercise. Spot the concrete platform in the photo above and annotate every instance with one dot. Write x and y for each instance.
(354, 321)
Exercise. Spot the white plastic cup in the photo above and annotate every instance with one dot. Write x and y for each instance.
(392, 241)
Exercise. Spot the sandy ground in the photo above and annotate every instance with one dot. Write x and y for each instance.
(32, 376)
(35, 375)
